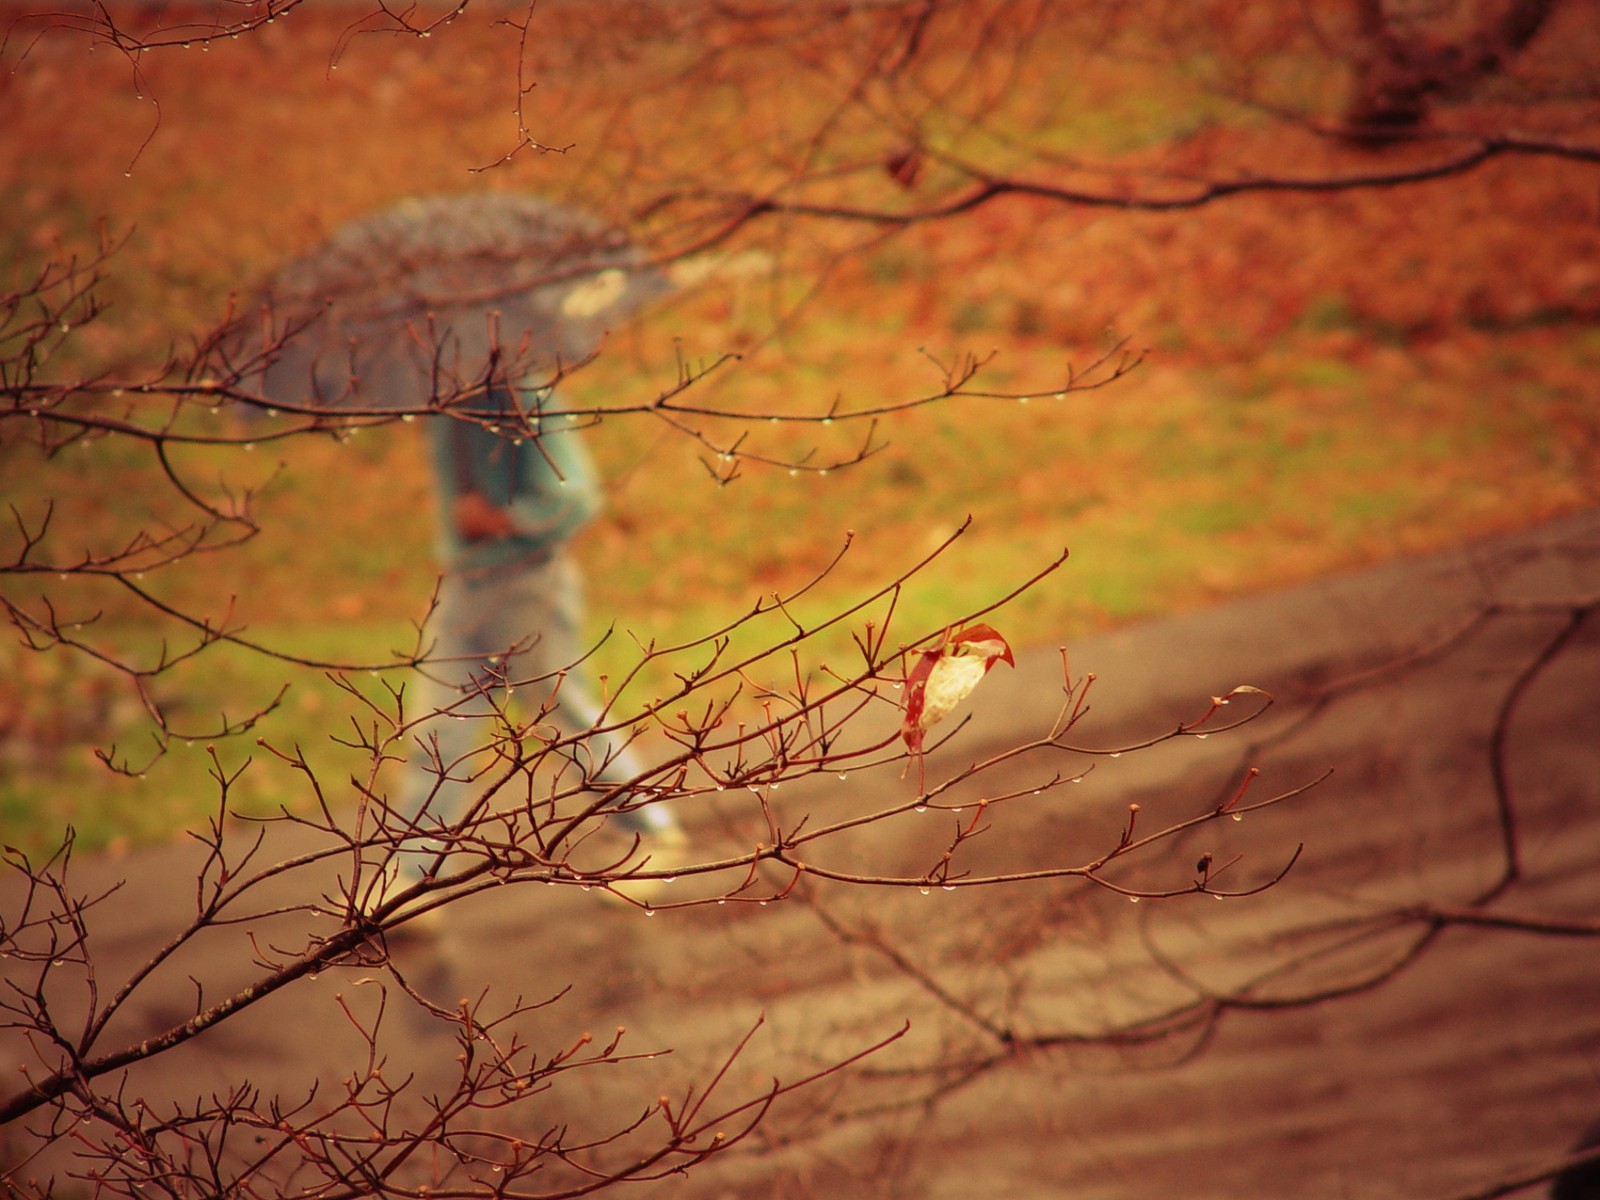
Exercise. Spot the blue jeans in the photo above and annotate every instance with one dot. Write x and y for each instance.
(482, 614)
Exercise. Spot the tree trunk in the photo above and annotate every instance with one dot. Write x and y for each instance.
(1400, 69)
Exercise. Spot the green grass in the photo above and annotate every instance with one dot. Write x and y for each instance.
(164, 784)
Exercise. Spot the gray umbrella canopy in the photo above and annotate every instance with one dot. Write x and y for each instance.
(435, 295)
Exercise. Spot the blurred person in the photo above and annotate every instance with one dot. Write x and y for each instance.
(404, 304)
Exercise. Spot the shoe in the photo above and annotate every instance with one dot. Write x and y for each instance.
(661, 850)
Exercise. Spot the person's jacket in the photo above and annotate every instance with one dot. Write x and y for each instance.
(547, 484)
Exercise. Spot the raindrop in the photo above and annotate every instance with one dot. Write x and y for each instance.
(1133, 899)
(793, 471)
(843, 777)
(1201, 736)
(409, 417)
(949, 887)
(763, 903)
(1116, 754)
(1216, 895)
(722, 900)
(649, 912)
(920, 808)
(1022, 399)
(1238, 816)
(924, 891)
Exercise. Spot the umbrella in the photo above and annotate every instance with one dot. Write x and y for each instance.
(445, 293)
